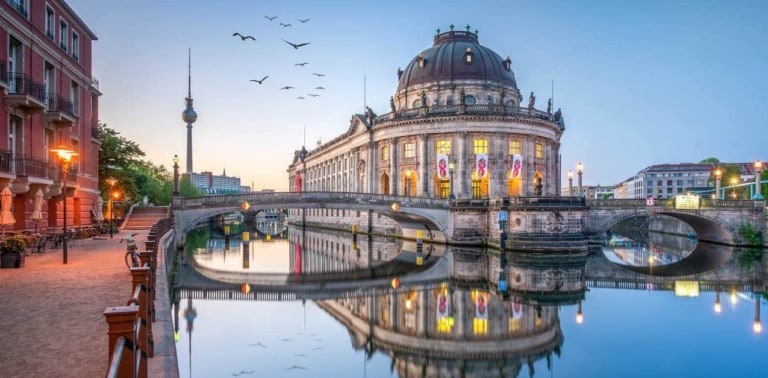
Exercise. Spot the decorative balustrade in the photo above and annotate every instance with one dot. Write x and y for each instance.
(486, 109)
(296, 197)
(56, 103)
(669, 203)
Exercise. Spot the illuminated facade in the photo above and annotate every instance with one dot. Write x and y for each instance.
(456, 126)
(50, 99)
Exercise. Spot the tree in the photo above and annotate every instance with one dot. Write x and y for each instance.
(712, 160)
(731, 175)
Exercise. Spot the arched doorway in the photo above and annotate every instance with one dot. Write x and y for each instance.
(442, 186)
(385, 184)
(480, 185)
(409, 183)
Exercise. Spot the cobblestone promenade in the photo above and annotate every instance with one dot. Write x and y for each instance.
(51, 314)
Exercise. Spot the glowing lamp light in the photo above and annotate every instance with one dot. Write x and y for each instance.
(395, 207)
(733, 298)
(718, 307)
(176, 337)
(579, 318)
(408, 304)
(757, 327)
(395, 283)
(245, 206)
(246, 288)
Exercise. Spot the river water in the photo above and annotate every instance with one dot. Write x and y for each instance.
(382, 314)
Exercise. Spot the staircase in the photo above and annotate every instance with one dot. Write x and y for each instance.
(142, 218)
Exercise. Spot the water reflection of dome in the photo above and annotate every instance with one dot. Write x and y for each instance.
(450, 329)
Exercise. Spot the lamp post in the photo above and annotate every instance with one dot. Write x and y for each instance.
(758, 174)
(451, 170)
(111, 181)
(175, 175)
(570, 182)
(580, 171)
(579, 315)
(65, 155)
(757, 326)
(718, 180)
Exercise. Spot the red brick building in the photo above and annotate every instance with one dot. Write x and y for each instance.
(49, 99)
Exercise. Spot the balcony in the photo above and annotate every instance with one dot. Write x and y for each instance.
(24, 92)
(60, 111)
(24, 171)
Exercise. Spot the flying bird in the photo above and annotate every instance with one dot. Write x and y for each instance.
(286, 87)
(304, 21)
(313, 95)
(301, 64)
(318, 74)
(321, 88)
(299, 98)
(296, 367)
(259, 344)
(285, 25)
(243, 37)
(296, 45)
(270, 18)
(260, 81)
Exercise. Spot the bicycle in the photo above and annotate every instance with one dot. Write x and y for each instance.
(132, 259)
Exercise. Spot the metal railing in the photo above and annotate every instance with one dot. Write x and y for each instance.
(305, 197)
(19, 83)
(669, 203)
(56, 103)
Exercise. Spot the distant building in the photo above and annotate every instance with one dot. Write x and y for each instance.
(212, 184)
(669, 180)
(596, 191)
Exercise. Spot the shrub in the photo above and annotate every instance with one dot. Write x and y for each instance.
(13, 244)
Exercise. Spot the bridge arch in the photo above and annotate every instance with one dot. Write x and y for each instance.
(707, 229)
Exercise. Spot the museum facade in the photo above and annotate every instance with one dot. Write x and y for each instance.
(456, 129)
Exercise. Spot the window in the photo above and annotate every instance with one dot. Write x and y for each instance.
(384, 153)
(443, 147)
(539, 151)
(49, 26)
(63, 34)
(469, 100)
(650, 184)
(515, 147)
(48, 82)
(74, 96)
(410, 150)
(417, 104)
(669, 182)
(468, 55)
(480, 146)
(679, 182)
(75, 46)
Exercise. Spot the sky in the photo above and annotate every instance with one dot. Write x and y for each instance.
(639, 82)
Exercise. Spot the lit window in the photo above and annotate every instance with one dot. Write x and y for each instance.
(515, 147)
(539, 151)
(480, 146)
(385, 153)
(443, 147)
(410, 150)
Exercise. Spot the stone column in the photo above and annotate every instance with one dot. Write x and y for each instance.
(394, 175)
(461, 161)
(498, 170)
(423, 187)
(529, 151)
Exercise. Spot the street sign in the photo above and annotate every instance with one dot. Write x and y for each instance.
(502, 216)
(650, 201)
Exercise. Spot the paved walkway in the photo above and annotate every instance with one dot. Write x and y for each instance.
(51, 314)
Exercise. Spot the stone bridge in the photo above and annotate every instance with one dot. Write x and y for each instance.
(715, 221)
(435, 213)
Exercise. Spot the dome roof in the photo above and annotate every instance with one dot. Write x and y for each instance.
(447, 60)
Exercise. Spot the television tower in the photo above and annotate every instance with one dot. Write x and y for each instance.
(188, 115)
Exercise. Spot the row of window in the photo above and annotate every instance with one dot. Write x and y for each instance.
(678, 183)
(479, 146)
(466, 100)
(63, 33)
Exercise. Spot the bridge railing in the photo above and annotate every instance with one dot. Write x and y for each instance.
(303, 197)
(669, 203)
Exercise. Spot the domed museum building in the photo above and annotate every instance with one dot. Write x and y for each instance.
(456, 128)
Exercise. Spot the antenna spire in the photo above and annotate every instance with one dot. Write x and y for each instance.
(189, 73)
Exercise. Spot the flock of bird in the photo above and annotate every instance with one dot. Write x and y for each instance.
(296, 46)
(286, 340)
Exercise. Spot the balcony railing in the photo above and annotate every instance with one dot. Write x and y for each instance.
(18, 6)
(491, 109)
(20, 83)
(22, 165)
(56, 103)
(3, 72)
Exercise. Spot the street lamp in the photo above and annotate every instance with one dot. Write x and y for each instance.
(570, 182)
(579, 315)
(758, 174)
(111, 181)
(580, 171)
(65, 155)
(757, 326)
(451, 170)
(718, 306)
(718, 179)
(175, 175)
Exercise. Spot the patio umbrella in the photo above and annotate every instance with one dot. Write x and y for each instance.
(6, 216)
(98, 212)
(37, 211)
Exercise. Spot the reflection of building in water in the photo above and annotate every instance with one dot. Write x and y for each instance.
(450, 330)
(324, 251)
